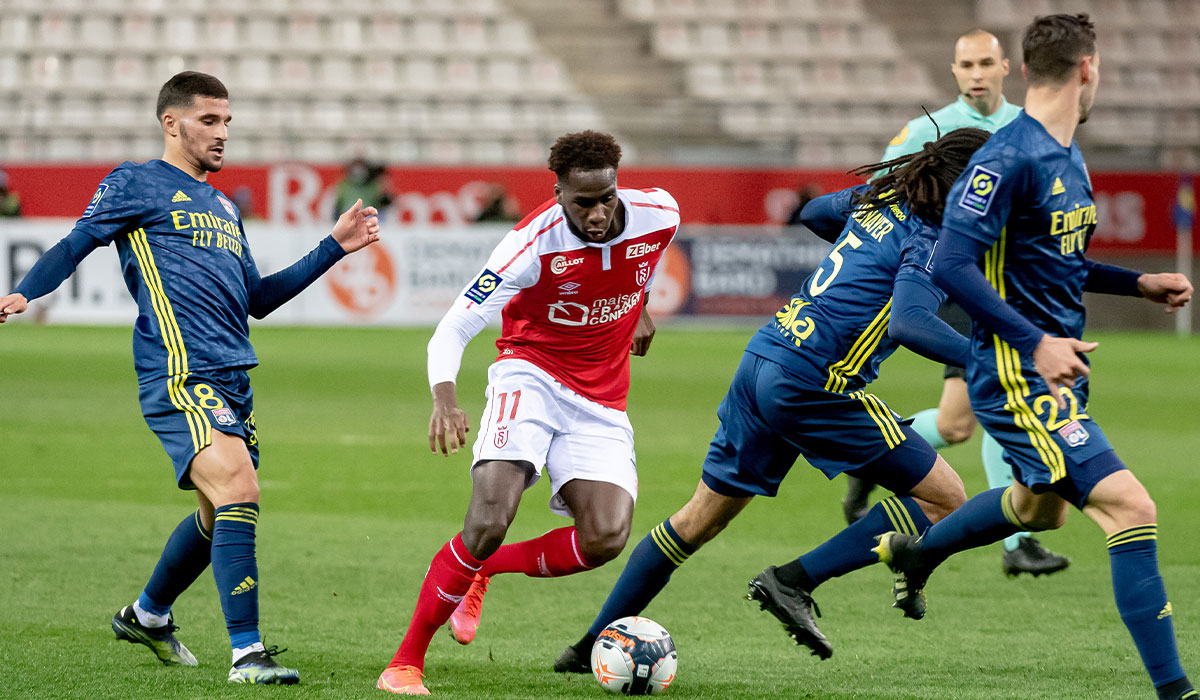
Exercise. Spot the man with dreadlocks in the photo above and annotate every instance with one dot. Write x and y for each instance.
(1012, 252)
(979, 68)
(799, 390)
(570, 282)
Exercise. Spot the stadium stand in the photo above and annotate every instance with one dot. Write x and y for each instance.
(781, 82)
(445, 81)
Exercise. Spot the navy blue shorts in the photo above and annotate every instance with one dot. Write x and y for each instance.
(1067, 454)
(184, 410)
(769, 417)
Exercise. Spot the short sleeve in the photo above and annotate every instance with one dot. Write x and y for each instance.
(115, 208)
(982, 198)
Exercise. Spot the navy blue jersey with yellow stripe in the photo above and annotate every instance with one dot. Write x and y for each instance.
(833, 332)
(1030, 199)
(186, 262)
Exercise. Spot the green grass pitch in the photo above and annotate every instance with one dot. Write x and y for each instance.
(354, 506)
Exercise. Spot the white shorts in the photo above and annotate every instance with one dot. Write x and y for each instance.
(531, 417)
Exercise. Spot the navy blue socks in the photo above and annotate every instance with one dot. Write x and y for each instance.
(645, 574)
(987, 517)
(851, 549)
(1142, 602)
(184, 558)
(236, 570)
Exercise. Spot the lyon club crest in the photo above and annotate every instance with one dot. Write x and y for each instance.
(1074, 433)
(224, 416)
(501, 437)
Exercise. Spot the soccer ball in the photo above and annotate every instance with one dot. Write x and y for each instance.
(634, 656)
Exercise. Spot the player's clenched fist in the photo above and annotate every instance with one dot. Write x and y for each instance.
(1170, 288)
(12, 304)
(448, 426)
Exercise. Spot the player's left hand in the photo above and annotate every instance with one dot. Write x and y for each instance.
(12, 304)
(1170, 288)
(642, 335)
(357, 227)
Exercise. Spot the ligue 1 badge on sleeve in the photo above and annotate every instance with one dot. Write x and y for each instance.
(91, 207)
(981, 186)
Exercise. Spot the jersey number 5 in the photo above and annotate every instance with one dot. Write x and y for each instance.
(817, 286)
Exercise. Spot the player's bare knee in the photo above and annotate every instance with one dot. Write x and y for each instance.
(1040, 522)
(244, 491)
(484, 533)
(602, 544)
(1138, 510)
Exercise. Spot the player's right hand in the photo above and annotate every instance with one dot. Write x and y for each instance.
(1057, 361)
(12, 304)
(448, 426)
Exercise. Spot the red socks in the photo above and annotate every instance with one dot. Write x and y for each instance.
(555, 553)
(450, 575)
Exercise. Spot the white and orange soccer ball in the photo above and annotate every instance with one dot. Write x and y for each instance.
(634, 656)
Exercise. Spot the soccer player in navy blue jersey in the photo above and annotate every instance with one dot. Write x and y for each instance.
(800, 390)
(187, 263)
(1011, 252)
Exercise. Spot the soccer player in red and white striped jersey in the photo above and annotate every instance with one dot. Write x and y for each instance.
(570, 282)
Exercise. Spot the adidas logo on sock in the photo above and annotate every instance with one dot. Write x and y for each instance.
(244, 587)
(180, 197)
(1166, 612)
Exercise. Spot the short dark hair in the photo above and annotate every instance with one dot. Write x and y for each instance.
(183, 88)
(1054, 44)
(583, 150)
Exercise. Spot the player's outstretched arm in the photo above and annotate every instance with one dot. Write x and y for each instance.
(448, 426)
(51, 270)
(10, 304)
(1171, 288)
(643, 334)
(356, 228)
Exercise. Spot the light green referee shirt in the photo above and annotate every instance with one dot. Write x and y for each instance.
(956, 115)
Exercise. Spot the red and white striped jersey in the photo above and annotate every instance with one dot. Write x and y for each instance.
(571, 307)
